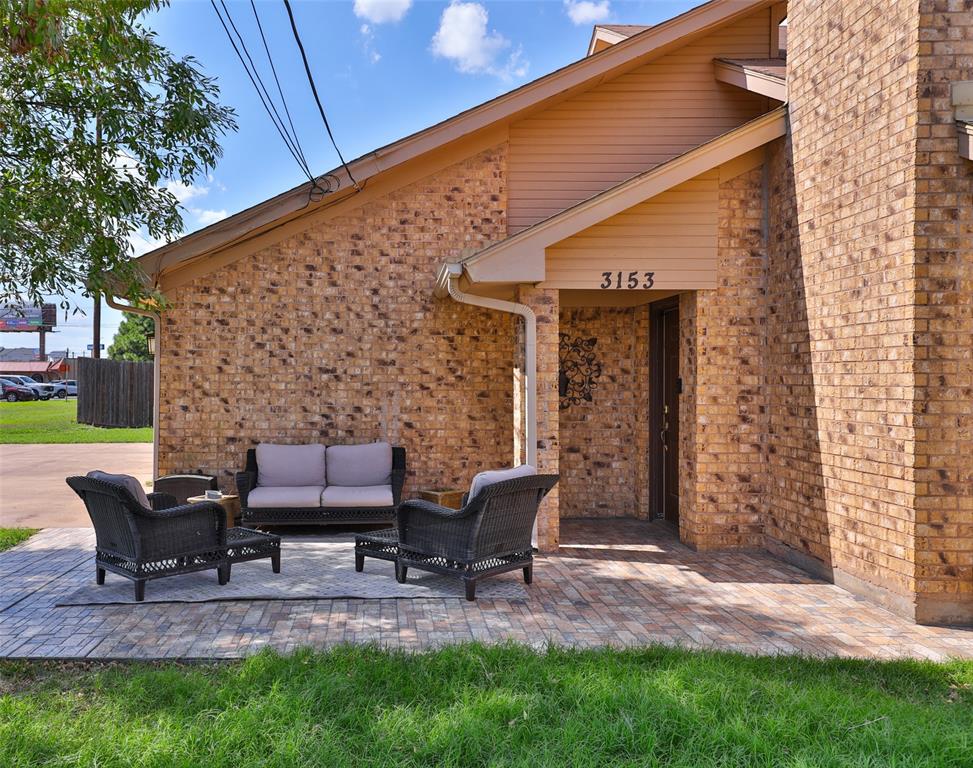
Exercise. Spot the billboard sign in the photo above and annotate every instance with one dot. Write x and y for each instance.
(20, 317)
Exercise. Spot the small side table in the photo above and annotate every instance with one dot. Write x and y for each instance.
(450, 498)
(229, 502)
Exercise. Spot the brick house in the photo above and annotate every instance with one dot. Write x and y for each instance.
(704, 285)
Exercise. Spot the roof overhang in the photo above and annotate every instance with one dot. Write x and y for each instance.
(521, 257)
(606, 35)
(557, 86)
(764, 76)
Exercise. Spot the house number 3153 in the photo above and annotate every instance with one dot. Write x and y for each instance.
(632, 280)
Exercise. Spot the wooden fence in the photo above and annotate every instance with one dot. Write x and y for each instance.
(114, 393)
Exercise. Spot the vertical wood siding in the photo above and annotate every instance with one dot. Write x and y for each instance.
(597, 139)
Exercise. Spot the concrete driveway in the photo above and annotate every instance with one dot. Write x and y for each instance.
(33, 493)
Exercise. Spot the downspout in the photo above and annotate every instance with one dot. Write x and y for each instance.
(448, 283)
(110, 301)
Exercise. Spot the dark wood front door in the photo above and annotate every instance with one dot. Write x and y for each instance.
(665, 387)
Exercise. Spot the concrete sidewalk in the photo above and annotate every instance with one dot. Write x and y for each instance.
(33, 493)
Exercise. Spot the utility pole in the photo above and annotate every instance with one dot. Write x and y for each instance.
(96, 315)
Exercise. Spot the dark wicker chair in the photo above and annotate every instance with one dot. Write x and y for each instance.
(489, 535)
(246, 481)
(183, 487)
(143, 544)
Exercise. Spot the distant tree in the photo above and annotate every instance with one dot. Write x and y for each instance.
(95, 118)
(131, 339)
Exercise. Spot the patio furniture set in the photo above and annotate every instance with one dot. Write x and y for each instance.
(177, 529)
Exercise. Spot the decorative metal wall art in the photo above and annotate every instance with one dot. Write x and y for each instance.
(579, 372)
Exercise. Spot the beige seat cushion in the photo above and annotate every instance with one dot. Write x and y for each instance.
(303, 496)
(483, 479)
(360, 465)
(357, 496)
(290, 465)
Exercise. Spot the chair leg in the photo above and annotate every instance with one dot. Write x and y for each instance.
(99, 575)
(528, 573)
(470, 589)
(275, 561)
(359, 562)
(139, 590)
(400, 572)
(223, 572)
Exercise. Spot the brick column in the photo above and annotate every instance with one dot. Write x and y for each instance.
(546, 306)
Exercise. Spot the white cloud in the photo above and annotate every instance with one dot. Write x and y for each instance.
(464, 39)
(206, 217)
(368, 43)
(382, 11)
(583, 12)
(183, 192)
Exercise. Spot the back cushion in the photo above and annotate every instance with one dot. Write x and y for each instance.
(358, 465)
(484, 479)
(290, 465)
(126, 481)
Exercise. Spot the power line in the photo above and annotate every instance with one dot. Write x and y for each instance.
(254, 78)
(314, 90)
(280, 90)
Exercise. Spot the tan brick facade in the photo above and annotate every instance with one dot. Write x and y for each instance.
(827, 403)
(333, 335)
(603, 457)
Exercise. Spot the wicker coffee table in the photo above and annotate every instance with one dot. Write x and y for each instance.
(244, 544)
(383, 544)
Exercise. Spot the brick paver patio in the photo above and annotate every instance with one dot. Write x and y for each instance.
(613, 582)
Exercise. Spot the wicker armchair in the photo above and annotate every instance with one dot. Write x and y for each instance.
(488, 536)
(143, 544)
(183, 487)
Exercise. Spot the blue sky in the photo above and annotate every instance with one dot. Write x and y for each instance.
(383, 68)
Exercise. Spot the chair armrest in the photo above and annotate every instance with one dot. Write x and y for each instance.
(160, 500)
(245, 482)
(182, 529)
(434, 530)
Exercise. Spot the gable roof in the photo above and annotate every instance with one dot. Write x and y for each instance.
(627, 54)
(605, 35)
(520, 258)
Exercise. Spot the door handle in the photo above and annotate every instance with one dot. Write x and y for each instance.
(663, 433)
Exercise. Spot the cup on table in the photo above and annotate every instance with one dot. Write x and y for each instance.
(214, 495)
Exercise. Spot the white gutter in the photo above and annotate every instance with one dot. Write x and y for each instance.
(155, 374)
(447, 283)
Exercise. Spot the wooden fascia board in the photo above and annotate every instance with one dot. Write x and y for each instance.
(750, 80)
(521, 258)
(600, 34)
(585, 73)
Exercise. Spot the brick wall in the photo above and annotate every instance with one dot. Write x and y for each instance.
(852, 86)
(725, 341)
(333, 335)
(601, 464)
(943, 410)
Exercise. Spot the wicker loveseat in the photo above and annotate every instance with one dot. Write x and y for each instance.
(319, 485)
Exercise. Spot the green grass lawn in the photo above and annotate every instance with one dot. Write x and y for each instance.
(11, 537)
(54, 421)
(470, 706)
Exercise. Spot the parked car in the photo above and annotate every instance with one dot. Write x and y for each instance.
(44, 391)
(14, 391)
(64, 388)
